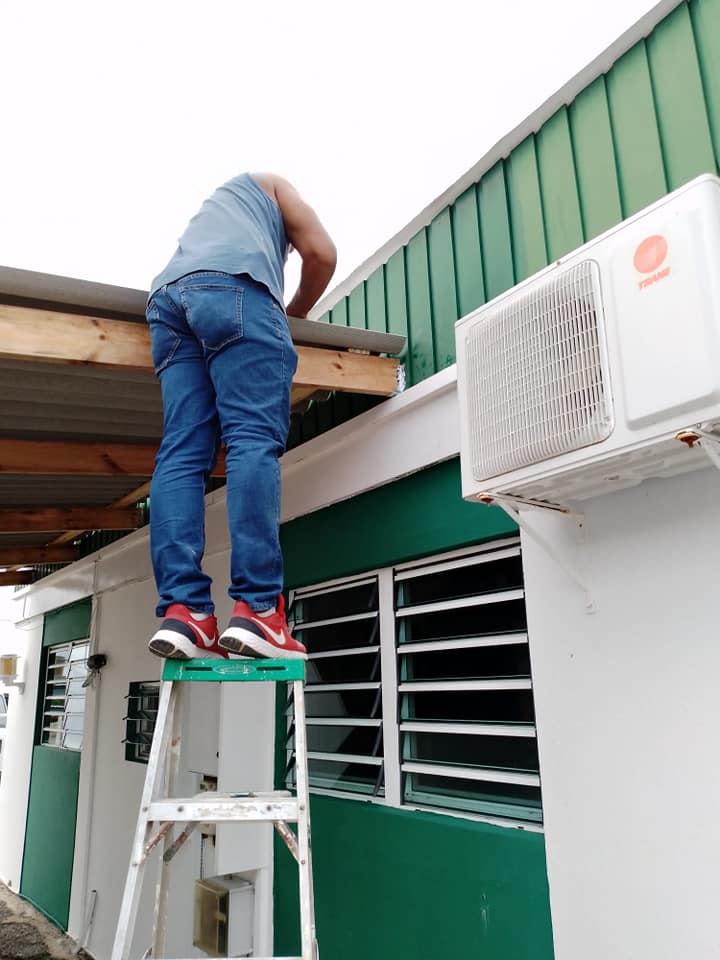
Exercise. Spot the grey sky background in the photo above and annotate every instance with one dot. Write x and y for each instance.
(118, 119)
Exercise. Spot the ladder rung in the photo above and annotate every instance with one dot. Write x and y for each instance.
(276, 671)
(218, 808)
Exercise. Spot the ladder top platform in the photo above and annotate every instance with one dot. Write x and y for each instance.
(276, 671)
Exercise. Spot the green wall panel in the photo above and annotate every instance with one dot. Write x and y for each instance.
(682, 117)
(495, 232)
(396, 885)
(397, 317)
(641, 171)
(442, 288)
(375, 301)
(67, 624)
(356, 307)
(597, 181)
(556, 164)
(50, 832)
(705, 17)
(468, 262)
(419, 307)
(339, 313)
(418, 515)
(526, 213)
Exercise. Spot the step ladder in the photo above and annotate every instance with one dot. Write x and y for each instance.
(161, 810)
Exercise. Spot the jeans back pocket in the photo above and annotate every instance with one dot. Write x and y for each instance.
(214, 313)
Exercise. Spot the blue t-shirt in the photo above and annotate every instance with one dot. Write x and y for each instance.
(238, 230)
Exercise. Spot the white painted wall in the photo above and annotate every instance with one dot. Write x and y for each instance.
(24, 640)
(628, 718)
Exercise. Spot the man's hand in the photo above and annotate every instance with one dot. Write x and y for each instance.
(310, 239)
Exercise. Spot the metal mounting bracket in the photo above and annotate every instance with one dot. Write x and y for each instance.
(708, 442)
(511, 505)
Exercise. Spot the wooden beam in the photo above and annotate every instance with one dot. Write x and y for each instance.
(30, 334)
(346, 372)
(22, 555)
(130, 499)
(16, 578)
(80, 458)
(47, 519)
(27, 333)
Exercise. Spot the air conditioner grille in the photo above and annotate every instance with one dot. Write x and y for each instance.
(537, 374)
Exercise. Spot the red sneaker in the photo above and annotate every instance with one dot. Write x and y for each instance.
(250, 635)
(182, 637)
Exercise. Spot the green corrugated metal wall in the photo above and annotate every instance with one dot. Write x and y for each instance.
(646, 127)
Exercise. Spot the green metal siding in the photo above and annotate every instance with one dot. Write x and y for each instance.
(396, 884)
(649, 125)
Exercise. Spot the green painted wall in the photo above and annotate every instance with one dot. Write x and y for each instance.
(52, 805)
(420, 514)
(400, 885)
(50, 832)
(646, 127)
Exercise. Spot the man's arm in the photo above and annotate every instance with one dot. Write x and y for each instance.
(312, 242)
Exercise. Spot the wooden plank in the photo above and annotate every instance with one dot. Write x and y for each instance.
(80, 458)
(16, 578)
(22, 555)
(347, 372)
(42, 519)
(30, 334)
(77, 458)
(128, 500)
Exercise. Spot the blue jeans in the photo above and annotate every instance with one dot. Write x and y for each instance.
(222, 351)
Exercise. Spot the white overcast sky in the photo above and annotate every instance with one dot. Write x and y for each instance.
(118, 119)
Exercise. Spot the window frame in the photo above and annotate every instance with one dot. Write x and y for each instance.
(392, 687)
(44, 697)
(378, 791)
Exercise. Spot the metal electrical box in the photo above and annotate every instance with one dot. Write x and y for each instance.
(223, 924)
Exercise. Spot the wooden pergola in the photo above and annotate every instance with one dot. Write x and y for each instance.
(80, 335)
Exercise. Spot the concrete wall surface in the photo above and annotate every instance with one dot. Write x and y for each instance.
(628, 720)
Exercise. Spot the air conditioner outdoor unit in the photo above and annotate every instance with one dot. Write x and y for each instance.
(603, 369)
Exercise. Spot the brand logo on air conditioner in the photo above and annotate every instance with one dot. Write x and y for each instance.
(649, 259)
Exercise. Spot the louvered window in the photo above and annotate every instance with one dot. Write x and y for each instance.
(339, 625)
(63, 715)
(466, 706)
(419, 690)
(142, 706)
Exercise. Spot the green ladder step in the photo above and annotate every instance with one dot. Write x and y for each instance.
(277, 671)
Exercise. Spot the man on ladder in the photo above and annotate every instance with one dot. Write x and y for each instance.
(223, 354)
(225, 360)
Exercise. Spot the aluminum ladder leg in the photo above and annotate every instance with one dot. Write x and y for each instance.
(161, 810)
